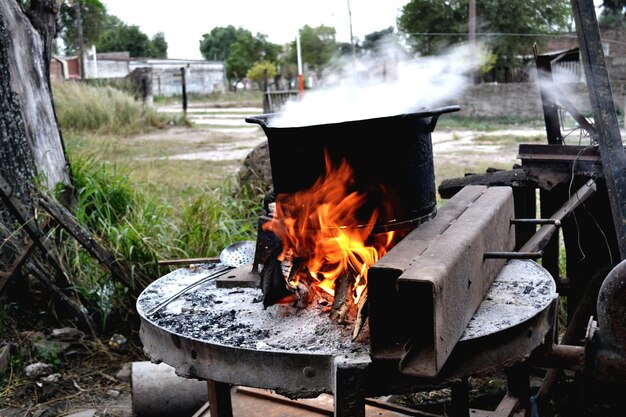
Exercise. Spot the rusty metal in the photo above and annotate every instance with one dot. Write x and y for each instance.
(543, 235)
(513, 255)
(605, 114)
(304, 374)
(555, 222)
(541, 160)
(560, 356)
(441, 286)
(612, 308)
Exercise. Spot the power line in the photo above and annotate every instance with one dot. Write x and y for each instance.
(546, 35)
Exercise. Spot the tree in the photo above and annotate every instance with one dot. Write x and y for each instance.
(31, 145)
(260, 72)
(93, 16)
(159, 46)
(215, 46)
(373, 41)
(613, 15)
(318, 46)
(125, 38)
(432, 25)
(245, 52)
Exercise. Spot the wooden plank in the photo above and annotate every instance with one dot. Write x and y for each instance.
(39, 273)
(513, 178)
(17, 210)
(19, 262)
(88, 241)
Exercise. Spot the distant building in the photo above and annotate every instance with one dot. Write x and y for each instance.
(201, 77)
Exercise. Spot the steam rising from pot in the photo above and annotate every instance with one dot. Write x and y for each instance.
(386, 83)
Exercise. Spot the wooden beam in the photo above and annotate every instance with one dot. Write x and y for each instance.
(88, 241)
(19, 261)
(30, 226)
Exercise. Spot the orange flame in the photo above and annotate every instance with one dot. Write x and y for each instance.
(320, 227)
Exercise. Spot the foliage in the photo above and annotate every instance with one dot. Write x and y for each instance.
(159, 46)
(215, 45)
(614, 5)
(611, 20)
(103, 109)
(122, 37)
(374, 40)
(245, 52)
(260, 72)
(318, 47)
(219, 217)
(432, 25)
(93, 16)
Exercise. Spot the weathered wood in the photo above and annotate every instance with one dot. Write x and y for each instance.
(16, 159)
(30, 226)
(23, 69)
(343, 300)
(38, 271)
(19, 261)
(362, 312)
(513, 178)
(61, 215)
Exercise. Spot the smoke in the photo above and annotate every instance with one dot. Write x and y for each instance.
(385, 83)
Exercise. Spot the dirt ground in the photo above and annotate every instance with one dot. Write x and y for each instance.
(91, 376)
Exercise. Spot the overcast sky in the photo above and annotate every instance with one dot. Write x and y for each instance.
(185, 21)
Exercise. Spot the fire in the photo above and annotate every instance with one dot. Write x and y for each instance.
(320, 228)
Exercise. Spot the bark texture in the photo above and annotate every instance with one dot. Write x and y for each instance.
(31, 142)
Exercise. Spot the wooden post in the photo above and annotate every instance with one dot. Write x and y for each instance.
(184, 85)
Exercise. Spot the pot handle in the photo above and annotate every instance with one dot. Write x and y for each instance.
(438, 112)
(259, 120)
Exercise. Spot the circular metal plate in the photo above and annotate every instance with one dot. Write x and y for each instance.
(238, 254)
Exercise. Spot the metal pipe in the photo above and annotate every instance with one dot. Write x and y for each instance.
(562, 357)
(513, 255)
(555, 222)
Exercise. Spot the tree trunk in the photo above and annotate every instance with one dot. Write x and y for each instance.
(31, 146)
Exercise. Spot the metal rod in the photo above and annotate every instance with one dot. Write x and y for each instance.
(555, 222)
(201, 281)
(543, 235)
(513, 255)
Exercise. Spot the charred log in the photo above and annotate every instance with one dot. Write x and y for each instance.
(343, 300)
(273, 283)
(362, 312)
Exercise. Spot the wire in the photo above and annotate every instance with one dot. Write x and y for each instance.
(512, 34)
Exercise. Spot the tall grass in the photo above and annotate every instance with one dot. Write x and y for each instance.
(134, 221)
(104, 110)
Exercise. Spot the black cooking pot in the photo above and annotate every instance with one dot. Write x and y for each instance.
(393, 151)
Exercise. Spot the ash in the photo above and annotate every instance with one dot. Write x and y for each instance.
(235, 317)
(520, 291)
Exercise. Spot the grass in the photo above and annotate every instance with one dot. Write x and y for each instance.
(104, 110)
(148, 207)
(142, 207)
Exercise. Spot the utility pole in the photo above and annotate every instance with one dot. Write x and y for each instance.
(472, 39)
(299, 54)
(79, 35)
(351, 36)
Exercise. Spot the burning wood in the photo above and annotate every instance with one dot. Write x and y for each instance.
(325, 248)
